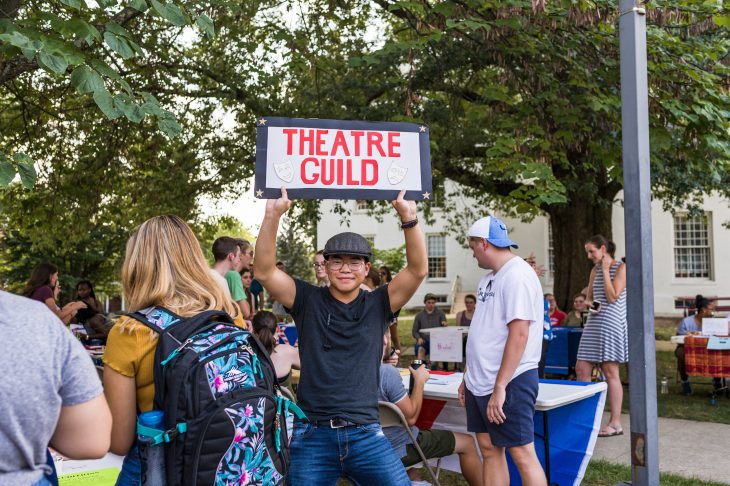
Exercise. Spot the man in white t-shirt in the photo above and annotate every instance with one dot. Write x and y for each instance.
(503, 351)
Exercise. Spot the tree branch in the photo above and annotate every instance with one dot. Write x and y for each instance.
(20, 65)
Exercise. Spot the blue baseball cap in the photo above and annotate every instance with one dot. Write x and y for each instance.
(493, 230)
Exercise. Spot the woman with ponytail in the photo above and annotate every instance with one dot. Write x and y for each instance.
(284, 356)
(689, 325)
(605, 336)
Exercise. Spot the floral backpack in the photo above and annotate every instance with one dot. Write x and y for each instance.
(225, 418)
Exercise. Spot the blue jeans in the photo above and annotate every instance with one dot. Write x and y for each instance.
(321, 455)
(131, 473)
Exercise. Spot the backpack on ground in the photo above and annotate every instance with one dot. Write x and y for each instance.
(225, 417)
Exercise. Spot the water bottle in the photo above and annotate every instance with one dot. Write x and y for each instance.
(665, 385)
(152, 457)
(415, 364)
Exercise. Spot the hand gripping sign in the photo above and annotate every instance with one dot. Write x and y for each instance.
(336, 159)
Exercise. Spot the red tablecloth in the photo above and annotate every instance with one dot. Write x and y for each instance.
(699, 361)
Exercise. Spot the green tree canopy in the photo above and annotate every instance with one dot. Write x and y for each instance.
(524, 107)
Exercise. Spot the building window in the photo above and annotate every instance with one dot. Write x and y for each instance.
(436, 256)
(551, 250)
(692, 251)
(361, 205)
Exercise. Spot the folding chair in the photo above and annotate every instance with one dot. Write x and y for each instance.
(391, 416)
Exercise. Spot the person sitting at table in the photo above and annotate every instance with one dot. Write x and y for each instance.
(284, 356)
(50, 392)
(434, 443)
(163, 266)
(43, 286)
(556, 315)
(463, 318)
(575, 316)
(690, 325)
(428, 318)
(84, 292)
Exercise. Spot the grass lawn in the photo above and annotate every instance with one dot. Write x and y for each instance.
(599, 473)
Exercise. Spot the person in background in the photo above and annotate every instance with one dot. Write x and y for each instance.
(233, 277)
(320, 272)
(428, 318)
(85, 294)
(247, 280)
(43, 286)
(257, 292)
(556, 315)
(605, 337)
(575, 316)
(434, 443)
(385, 278)
(163, 266)
(691, 325)
(372, 280)
(227, 257)
(463, 318)
(284, 356)
(51, 395)
(501, 382)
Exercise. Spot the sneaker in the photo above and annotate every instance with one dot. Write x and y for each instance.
(686, 388)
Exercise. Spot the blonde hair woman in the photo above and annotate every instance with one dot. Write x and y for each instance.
(163, 266)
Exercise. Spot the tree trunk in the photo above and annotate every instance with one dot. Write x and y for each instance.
(572, 224)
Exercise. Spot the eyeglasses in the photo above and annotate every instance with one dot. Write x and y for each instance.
(318, 265)
(338, 264)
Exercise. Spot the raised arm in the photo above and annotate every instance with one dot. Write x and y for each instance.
(280, 286)
(617, 285)
(405, 284)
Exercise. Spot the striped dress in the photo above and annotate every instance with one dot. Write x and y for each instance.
(605, 337)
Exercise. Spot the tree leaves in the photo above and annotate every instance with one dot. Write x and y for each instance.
(55, 63)
(7, 170)
(86, 80)
(171, 12)
(20, 164)
(206, 25)
(26, 169)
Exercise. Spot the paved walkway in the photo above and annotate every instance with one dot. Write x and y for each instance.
(688, 448)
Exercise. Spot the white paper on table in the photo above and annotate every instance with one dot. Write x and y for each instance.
(447, 345)
(714, 326)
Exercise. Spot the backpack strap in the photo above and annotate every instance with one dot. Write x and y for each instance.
(163, 321)
(156, 318)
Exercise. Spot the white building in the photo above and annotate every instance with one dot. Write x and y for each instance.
(691, 254)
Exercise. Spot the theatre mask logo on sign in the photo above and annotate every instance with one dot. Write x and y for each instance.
(335, 159)
(396, 174)
(284, 170)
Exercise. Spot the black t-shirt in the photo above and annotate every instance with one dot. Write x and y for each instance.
(340, 348)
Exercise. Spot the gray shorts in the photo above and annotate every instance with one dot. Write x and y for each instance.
(519, 407)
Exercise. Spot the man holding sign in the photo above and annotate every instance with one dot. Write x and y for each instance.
(340, 330)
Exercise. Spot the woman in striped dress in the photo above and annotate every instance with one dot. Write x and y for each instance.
(605, 337)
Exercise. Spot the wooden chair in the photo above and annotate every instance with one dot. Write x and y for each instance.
(391, 416)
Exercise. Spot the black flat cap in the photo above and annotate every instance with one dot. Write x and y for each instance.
(348, 244)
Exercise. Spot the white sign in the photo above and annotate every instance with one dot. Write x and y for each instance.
(336, 159)
(713, 326)
(447, 345)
